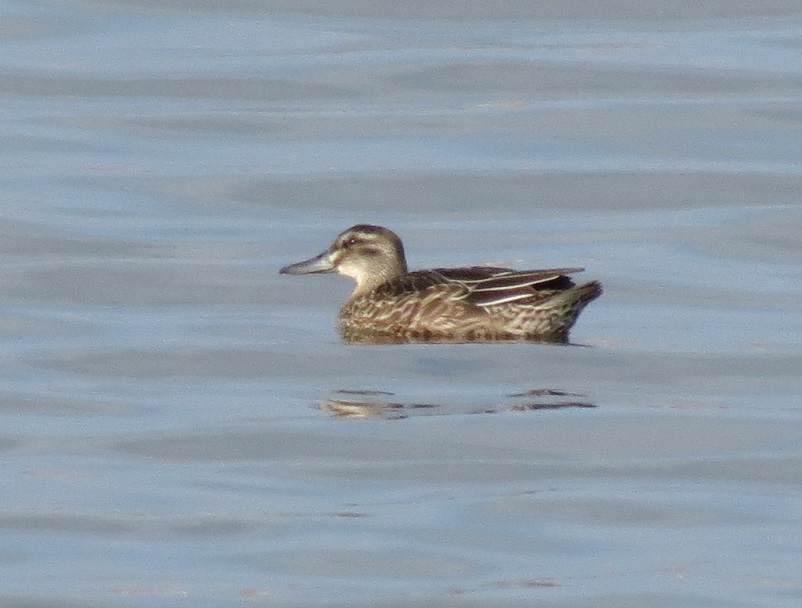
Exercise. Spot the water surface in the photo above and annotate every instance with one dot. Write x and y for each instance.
(170, 417)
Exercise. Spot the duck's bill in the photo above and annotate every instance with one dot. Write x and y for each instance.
(319, 263)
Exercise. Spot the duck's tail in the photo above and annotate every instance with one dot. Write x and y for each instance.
(558, 314)
(584, 294)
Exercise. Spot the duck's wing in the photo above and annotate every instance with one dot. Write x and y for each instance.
(481, 285)
(502, 285)
(428, 281)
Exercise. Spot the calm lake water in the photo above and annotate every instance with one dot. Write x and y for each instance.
(181, 425)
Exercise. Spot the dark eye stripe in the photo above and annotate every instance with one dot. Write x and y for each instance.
(354, 240)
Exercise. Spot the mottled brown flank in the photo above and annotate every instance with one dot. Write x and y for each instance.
(434, 305)
(476, 303)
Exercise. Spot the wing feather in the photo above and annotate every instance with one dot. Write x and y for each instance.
(481, 285)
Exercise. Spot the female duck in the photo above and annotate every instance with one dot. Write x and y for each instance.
(478, 303)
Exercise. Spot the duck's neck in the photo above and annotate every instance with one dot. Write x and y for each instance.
(379, 272)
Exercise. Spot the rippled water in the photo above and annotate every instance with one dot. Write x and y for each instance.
(178, 421)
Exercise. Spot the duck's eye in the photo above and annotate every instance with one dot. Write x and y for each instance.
(351, 242)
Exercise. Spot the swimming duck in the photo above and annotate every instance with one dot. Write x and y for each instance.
(477, 303)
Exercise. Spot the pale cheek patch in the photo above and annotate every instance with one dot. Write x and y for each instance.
(349, 269)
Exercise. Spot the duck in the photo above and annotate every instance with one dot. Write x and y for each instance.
(391, 304)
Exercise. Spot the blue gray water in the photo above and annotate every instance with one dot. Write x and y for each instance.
(180, 424)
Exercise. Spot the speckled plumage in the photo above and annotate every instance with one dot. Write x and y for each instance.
(391, 304)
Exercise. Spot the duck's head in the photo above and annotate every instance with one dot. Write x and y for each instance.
(368, 254)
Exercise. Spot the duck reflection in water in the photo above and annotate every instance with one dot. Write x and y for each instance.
(381, 404)
(474, 304)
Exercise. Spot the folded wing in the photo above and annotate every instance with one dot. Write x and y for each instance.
(483, 285)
